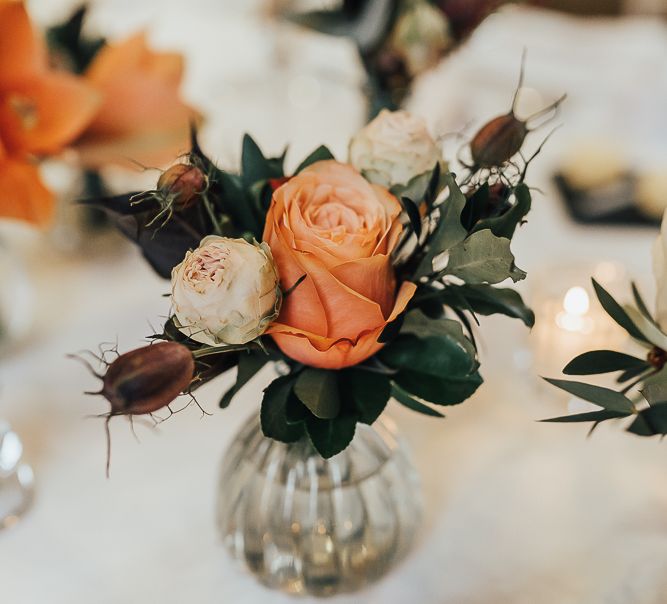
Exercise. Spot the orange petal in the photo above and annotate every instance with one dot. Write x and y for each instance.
(142, 117)
(302, 308)
(347, 311)
(43, 114)
(22, 52)
(22, 194)
(326, 354)
(373, 278)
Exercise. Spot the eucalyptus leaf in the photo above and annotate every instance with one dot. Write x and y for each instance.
(437, 369)
(449, 231)
(410, 402)
(630, 374)
(641, 305)
(651, 421)
(616, 312)
(416, 189)
(413, 214)
(505, 225)
(655, 393)
(249, 364)
(483, 258)
(591, 416)
(446, 390)
(273, 412)
(647, 327)
(420, 325)
(603, 361)
(488, 300)
(255, 166)
(603, 397)
(320, 154)
(369, 391)
(317, 389)
(331, 436)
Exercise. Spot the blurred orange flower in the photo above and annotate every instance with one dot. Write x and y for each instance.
(41, 111)
(142, 117)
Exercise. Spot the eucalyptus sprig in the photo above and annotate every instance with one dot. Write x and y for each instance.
(642, 392)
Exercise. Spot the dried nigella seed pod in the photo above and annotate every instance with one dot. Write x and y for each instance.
(500, 139)
(145, 380)
(184, 182)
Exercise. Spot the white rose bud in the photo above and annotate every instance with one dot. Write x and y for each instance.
(226, 291)
(393, 149)
(660, 273)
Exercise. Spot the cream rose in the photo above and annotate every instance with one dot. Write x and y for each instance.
(226, 291)
(394, 148)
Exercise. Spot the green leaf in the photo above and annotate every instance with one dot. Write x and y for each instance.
(476, 205)
(651, 421)
(392, 329)
(655, 393)
(450, 390)
(254, 166)
(249, 364)
(603, 397)
(438, 369)
(331, 436)
(505, 225)
(651, 332)
(273, 412)
(322, 153)
(603, 361)
(236, 203)
(616, 312)
(368, 390)
(591, 416)
(416, 189)
(317, 389)
(629, 374)
(641, 305)
(411, 403)
(437, 355)
(488, 300)
(449, 231)
(483, 258)
(412, 211)
(423, 327)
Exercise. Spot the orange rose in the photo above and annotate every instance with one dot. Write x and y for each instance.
(41, 111)
(330, 224)
(142, 117)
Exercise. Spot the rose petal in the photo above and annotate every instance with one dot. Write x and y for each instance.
(328, 353)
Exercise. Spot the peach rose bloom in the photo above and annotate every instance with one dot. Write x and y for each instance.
(333, 226)
(41, 111)
(142, 117)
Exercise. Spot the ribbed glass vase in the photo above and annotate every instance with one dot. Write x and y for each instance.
(309, 526)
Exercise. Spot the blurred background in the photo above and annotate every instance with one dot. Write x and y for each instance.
(517, 511)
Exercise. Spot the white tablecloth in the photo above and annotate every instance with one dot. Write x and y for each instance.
(516, 511)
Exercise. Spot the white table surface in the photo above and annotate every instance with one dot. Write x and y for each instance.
(516, 511)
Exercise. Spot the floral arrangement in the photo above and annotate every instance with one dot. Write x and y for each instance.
(642, 390)
(361, 280)
(399, 40)
(103, 103)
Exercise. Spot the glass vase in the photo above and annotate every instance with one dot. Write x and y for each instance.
(312, 526)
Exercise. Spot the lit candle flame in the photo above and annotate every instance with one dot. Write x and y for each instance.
(576, 305)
